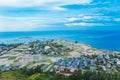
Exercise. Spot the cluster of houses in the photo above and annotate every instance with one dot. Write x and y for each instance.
(6, 47)
(38, 47)
(105, 61)
(47, 47)
(5, 67)
(92, 62)
(8, 67)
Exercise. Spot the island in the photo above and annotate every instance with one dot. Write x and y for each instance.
(57, 60)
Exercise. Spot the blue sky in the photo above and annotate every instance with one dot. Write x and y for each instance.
(32, 15)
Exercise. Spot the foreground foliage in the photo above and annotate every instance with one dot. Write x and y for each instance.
(37, 74)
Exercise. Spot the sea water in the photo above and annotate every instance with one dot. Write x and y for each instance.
(107, 40)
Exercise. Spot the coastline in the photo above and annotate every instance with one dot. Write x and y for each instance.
(29, 39)
(57, 56)
(107, 40)
(55, 50)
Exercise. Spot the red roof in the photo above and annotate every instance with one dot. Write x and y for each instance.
(66, 72)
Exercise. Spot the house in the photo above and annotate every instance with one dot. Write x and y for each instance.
(118, 63)
(6, 68)
(93, 68)
(47, 47)
(65, 71)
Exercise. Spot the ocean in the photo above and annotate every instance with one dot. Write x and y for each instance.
(107, 40)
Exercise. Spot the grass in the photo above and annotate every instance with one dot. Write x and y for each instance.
(12, 75)
(49, 61)
(52, 65)
(4, 57)
(36, 76)
(58, 55)
(11, 57)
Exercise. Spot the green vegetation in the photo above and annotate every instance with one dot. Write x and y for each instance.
(11, 57)
(13, 75)
(92, 65)
(36, 73)
(4, 57)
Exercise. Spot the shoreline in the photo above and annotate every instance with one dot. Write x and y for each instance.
(107, 40)
(57, 53)
(29, 39)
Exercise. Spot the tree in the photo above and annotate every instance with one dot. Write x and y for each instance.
(77, 75)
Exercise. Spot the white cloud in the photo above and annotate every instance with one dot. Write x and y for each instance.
(21, 3)
(21, 23)
(72, 19)
(59, 8)
(76, 24)
(117, 19)
(83, 24)
(32, 23)
(54, 4)
(27, 23)
(89, 18)
(16, 25)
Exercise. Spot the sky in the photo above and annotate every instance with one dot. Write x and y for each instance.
(37, 15)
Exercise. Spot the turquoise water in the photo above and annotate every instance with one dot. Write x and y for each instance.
(108, 40)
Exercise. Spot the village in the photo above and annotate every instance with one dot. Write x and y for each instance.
(59, 56)
(106, 62)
